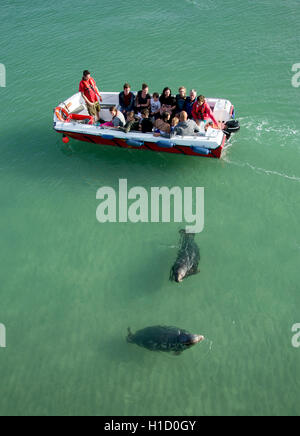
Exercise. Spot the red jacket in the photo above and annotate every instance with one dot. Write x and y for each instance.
(88, 88)
(203, 112)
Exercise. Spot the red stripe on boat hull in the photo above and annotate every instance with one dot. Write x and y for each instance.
(147, 145)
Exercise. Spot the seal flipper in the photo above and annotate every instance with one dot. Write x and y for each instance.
(172, 274)
(177, 353)
(130, 335)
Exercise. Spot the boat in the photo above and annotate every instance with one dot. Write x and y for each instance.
(72, 120)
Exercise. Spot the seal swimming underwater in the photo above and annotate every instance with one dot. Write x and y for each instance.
(188, 258)
(167, 339)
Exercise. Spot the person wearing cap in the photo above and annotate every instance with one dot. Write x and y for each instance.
(91, 95)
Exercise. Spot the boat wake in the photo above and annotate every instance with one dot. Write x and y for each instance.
(260, 132)
(261, 170)
(261, 129)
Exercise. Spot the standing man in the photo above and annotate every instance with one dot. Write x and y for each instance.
(90, 94)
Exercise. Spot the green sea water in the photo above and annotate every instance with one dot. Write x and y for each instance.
(70, 287)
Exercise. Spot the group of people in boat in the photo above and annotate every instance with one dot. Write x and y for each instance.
(162, 115)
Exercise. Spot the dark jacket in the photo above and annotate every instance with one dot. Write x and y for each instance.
(188, 107)
(124, 108)
(180, 103)
(147, 125)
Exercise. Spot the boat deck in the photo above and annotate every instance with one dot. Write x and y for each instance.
(206, 143)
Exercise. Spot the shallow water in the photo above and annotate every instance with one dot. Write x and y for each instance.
(70, 286)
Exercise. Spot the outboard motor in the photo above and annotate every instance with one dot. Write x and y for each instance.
(232, 126)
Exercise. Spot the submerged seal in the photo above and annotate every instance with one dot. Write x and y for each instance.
(188, 258)
(168, 339)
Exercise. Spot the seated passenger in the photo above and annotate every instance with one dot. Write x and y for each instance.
(155, 106)
(189, 103)
(186, 127)
(162, 125)
(168, 103)
(174, 123)
(126, 100)
(118, 119)
(180, 100)
(146, 125)
(131, 123)
(143, 99)
(202, 112)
